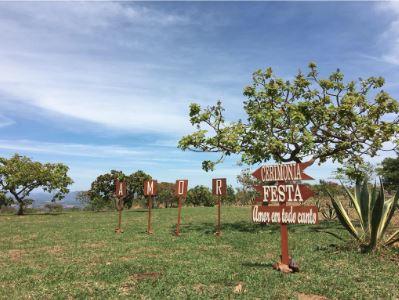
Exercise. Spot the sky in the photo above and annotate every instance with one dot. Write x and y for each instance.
(107, 85)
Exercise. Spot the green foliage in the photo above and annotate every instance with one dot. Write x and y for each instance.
(355, 172)
(19, 176)
(246, 193)
(200, 196)
(290, 121)
(5, 201)
(230, 197)
(54, 207)
(374, 215)
(102, 192)
(166, 194)
(389, 171)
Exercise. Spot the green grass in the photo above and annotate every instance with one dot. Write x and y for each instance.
(77, 255)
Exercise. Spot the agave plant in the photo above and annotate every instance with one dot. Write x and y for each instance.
(374, 215)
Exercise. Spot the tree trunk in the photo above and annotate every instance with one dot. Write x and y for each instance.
(20, 209)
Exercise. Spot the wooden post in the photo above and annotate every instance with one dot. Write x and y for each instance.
(178, 217)
(284, 240)
(149, 229)
(218, 232)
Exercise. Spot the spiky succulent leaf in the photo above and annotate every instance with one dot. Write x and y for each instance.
(343, 217)
(364, 201)
(392, 203)
(376, 219)
(393, 238)
(355, 202)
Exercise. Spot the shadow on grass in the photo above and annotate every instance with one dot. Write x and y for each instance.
(210, 228)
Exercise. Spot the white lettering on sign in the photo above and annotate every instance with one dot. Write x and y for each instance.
(150, 187)
(219, 184)
(180, 189)
(283, 172)
(120, 191)
(274, 193)
(288, 215)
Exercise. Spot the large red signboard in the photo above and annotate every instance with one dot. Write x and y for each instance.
(283, 189)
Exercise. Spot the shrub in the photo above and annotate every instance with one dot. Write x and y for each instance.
(54, 207)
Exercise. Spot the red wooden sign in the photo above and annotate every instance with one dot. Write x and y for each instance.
(285, 214)
(120, 189)
(150, 187)
(283, 172)
(181, 188)
(283, 193)
(219, 187)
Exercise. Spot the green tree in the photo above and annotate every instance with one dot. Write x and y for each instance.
(19, 176)
(102, 190)
(230, 197)
(200, 195)
(135, 186)
(389, 171)
(355, 173)
(4, 200)
(166, 194)
(290, 121)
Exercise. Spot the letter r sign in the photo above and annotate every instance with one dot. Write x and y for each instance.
(219, 186)
(150, 188)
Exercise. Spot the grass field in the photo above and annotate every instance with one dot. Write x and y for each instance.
(77, 255)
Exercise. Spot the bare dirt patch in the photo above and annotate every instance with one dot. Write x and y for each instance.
(16, 254)
(302, 296)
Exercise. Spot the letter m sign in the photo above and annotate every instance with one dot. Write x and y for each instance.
(219, 186)
(150, 188)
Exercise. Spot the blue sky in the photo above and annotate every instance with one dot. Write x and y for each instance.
(107, 85)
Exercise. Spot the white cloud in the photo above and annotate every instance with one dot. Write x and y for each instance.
(389, 40)
(4, 121)
(98, 77)
(71, 149)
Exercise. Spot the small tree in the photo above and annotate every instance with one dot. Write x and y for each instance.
(19, 176)
(289, 121)
(200, 195)
(389, 171)
(166, 194)
(355, 173)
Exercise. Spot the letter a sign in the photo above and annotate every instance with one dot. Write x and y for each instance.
(120, 188)
(219, 186)
(150, 188)
(181, 188)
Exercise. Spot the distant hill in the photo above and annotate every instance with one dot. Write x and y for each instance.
(41, 199)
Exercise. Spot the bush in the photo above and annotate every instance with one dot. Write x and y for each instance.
(200, 195)
(54, 207)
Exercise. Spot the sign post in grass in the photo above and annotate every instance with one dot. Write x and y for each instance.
(120, 193)
(284, 188)
(150, 190)
(219, 189)
(181, 193)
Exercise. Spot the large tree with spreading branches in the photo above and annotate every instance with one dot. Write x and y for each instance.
(307, 118)
(19, 176)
